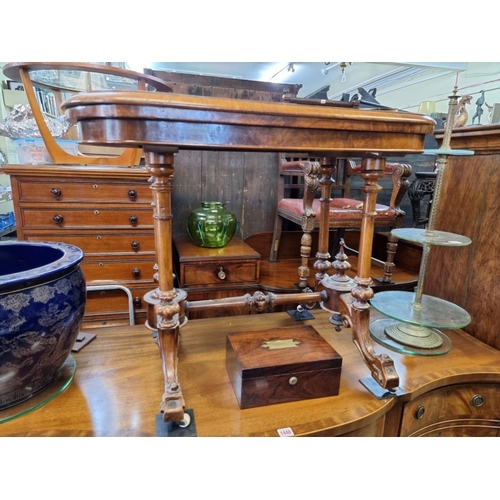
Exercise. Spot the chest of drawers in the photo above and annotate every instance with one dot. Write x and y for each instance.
(105, 211)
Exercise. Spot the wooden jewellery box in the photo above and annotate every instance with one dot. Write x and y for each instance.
(281, 365)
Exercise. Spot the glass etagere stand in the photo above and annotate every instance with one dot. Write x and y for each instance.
(414, 320)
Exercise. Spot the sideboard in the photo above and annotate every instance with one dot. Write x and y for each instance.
(451, 395)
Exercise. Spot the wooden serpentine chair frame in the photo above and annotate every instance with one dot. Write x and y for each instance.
(21, 71)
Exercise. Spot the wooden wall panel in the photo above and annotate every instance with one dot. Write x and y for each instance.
(259, 193)
(245, 182)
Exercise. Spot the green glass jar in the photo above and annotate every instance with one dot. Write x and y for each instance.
(212, 225)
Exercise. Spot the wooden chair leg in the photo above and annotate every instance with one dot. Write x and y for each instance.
(305, 254)
(392, 246)
(275, 243)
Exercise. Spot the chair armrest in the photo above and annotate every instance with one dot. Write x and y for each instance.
(400, 174)
(292, 167)
(312, 171)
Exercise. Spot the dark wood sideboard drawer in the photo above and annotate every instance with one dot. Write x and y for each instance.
(456, 410)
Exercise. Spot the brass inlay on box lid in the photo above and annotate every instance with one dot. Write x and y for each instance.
(280, 344)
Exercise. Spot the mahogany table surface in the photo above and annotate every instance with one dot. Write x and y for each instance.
(119, 382)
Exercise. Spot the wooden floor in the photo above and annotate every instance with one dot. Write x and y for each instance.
(282, 276)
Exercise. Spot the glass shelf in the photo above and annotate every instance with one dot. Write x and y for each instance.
(432, 312)
(442, 238)
(449, 152)
(378, 332)
(61, 382)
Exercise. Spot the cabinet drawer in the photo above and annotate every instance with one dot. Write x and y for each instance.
(131, 242)
(54, 191)
(220, 274)
(123, 272)
(110, 320)
(102, 301)
(116, 300)
(456, 410)
(53, 217)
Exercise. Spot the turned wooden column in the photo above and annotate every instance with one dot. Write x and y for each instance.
(166, 304)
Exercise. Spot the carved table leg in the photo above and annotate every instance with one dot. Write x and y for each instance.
(356, 307)
(166, 301)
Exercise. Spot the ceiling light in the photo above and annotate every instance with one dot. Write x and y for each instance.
(343, 66)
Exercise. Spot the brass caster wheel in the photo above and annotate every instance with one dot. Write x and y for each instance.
(186, 420)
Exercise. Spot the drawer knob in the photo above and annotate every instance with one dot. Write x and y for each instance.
(133, 219)
(55, 192)
(221, 274)
(477, 400)
(293, 380)
(419, 412)
(135, 245)
(58, 218)
(136, 271)
(137, 302)
(132, 194)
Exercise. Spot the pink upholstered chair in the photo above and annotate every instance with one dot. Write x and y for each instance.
(298, 189)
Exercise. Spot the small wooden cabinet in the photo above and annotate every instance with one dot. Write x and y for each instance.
(212, 273)
(105, 211)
